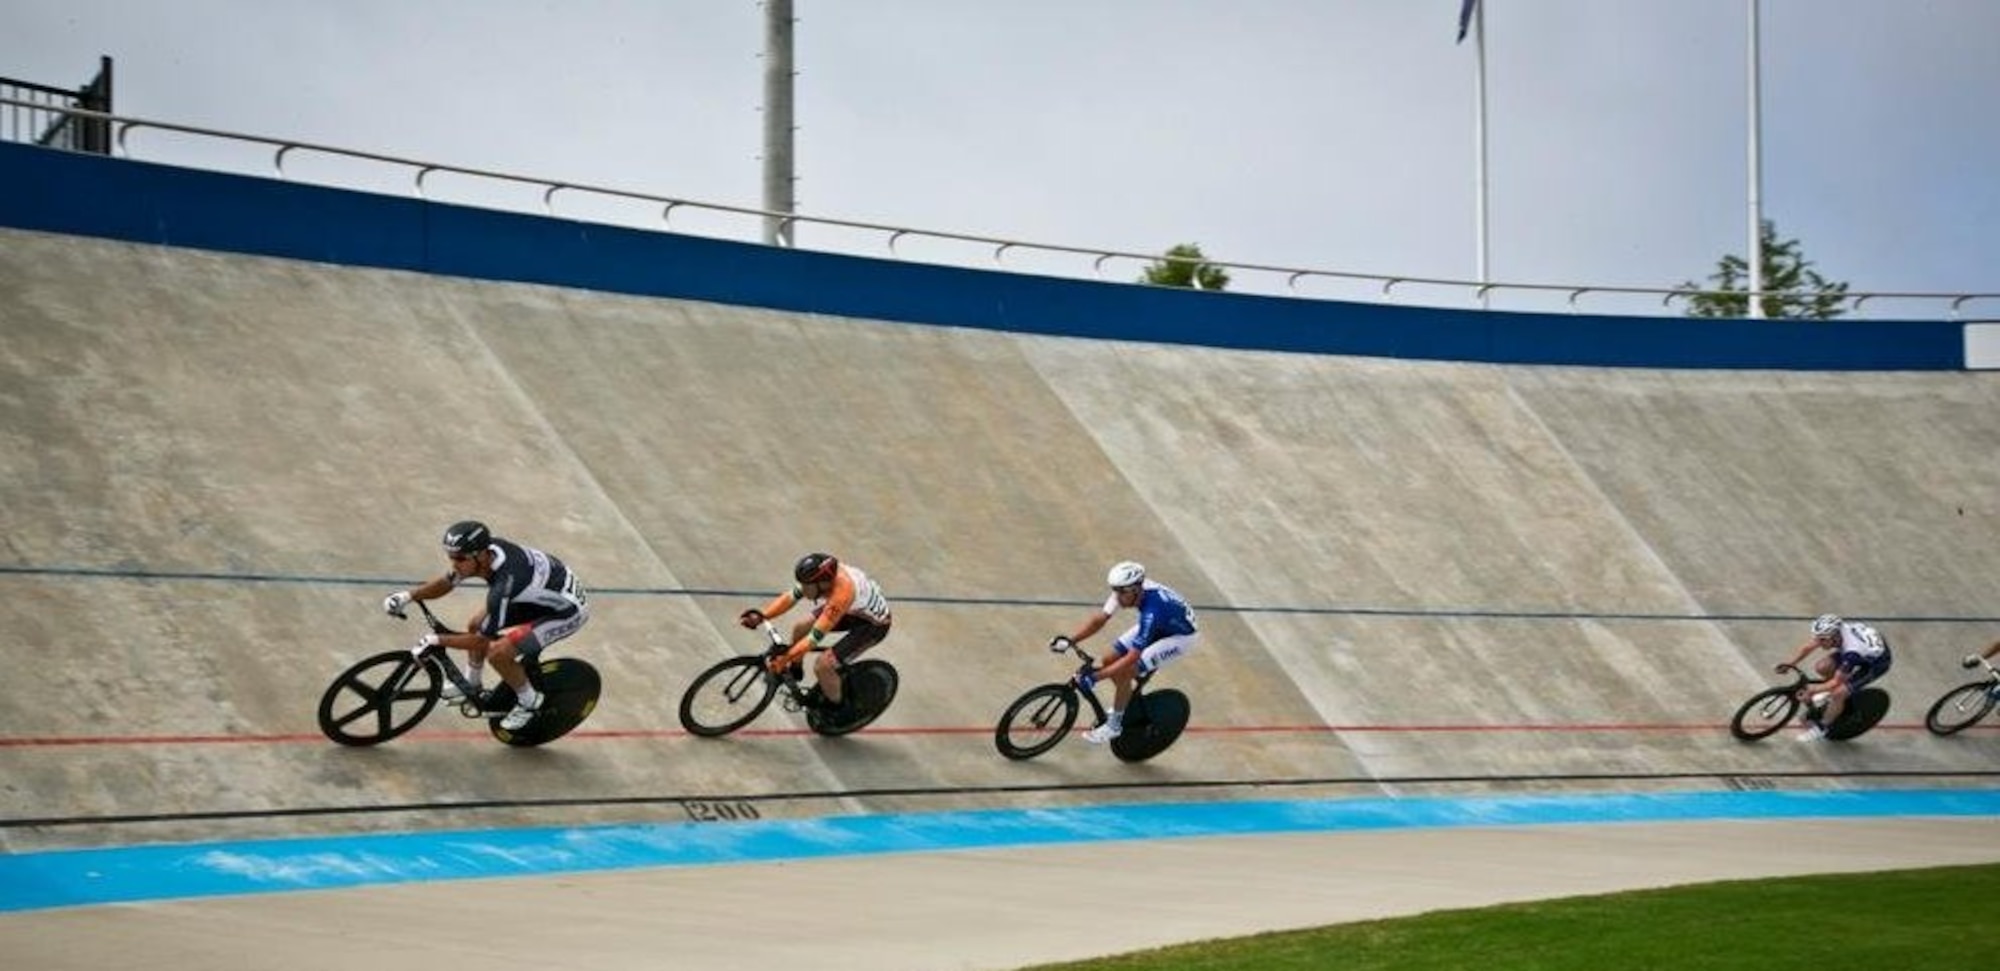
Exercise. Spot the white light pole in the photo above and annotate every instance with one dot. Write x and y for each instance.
(1479, 135)
(1756, 257)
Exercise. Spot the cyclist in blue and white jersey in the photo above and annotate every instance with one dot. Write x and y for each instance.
(1164, 631)
(532, 601)
(1856, 654)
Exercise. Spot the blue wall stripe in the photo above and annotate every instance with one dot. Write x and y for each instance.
(65, 878)
(65, 192)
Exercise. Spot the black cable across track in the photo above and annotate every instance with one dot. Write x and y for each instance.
(1734, 779)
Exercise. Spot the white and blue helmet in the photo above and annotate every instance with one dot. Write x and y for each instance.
(1125, 574)
(1826, 625)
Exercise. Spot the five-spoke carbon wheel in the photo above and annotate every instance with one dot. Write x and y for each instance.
(379, 698)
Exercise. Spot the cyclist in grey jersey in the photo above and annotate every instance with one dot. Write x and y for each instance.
(532, 601)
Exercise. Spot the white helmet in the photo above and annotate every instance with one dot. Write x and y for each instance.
(1826, 625)
(1125, 574)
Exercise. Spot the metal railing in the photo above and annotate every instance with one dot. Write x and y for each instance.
(41, 114)
(1278, 280)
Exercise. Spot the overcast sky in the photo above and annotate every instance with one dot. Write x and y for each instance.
(1328, 134)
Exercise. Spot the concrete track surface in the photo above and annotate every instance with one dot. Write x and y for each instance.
(1412, 577)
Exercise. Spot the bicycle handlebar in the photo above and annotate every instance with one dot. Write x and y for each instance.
(437, 626)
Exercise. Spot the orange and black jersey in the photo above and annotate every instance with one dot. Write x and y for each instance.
(852, 595)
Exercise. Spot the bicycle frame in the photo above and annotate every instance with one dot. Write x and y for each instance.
(1089, 695)
(793, 680)
(439, 657)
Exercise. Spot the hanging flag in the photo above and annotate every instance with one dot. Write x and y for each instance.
(1465, 18)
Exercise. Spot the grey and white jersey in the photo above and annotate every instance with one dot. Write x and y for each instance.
(527, 585)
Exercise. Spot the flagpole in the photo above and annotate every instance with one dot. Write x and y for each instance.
(1479, 134)
(1756, 250)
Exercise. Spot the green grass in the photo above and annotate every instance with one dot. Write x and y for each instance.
(1904, 920)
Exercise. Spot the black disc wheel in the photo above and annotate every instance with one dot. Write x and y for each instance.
(868, 687)
(379, 698)
(1864, 708)
(727, 696)
(1766, 712)
(1960, 708)
(1037, 721)
(1154, 722)
(569, 688)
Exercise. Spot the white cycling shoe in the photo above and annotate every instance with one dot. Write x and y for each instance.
(522, 714)
(1104, 733)
(452, 695)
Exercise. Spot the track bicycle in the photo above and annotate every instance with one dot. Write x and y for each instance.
(1956, 710)
(733, 692)
(386, 695)
(1042, 717)
(1772, 709)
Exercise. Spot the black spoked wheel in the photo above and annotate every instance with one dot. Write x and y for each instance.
(1864, 708)
(1037, 721)
(1766, 712)
(727, 696)
(379, 698)
(569, 688)
(868, 687)
(1152, 725)
(1960, 708)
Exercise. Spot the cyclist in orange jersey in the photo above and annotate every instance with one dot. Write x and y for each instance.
(844, 599)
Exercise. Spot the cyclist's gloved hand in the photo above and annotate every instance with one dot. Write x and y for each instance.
(779, 660)
(1780, 668)
(425, 642)
(750, 618)
(1060, 643)
(394, 603)
(1971, 661)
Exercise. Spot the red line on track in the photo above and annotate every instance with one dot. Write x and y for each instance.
(111, 741)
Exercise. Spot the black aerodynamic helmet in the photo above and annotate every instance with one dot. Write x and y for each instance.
(467, 537)
(815, 568)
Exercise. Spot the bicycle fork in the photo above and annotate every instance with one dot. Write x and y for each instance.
(436, 657)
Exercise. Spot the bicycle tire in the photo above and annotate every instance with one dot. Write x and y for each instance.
(1037, 721)
(869, 686)
(727, 696)
(570, 688)
(1152, 725)
(378, 700)
(1958, 709)
(1764, 714)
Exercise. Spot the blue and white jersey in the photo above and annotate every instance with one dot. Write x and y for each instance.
(1162, 613)
(1861, 643)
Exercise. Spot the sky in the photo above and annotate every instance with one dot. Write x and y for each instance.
(1332, 135)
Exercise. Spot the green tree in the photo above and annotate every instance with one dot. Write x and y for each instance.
(1792, 288)
(1184, 266)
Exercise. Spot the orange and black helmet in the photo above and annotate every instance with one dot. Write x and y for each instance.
(815, 568)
